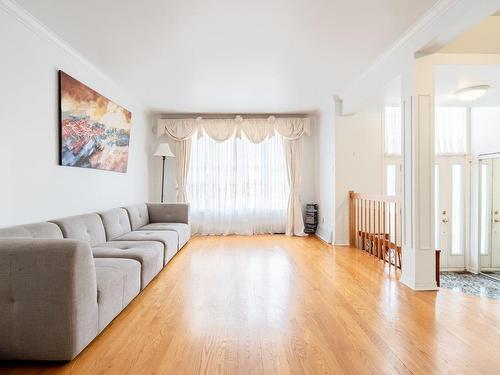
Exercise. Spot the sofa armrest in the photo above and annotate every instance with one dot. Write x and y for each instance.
(168, 212)
(48, 303)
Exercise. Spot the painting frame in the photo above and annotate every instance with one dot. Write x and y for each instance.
(94, 131)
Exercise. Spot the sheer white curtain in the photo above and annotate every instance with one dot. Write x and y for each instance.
(237, 186)
(450, 131)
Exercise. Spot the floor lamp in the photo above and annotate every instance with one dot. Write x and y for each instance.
(164, 151)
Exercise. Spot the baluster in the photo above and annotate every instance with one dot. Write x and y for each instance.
(374, 235)
(369, 225)
(358, 230)
(390, 234)
(395, 235)
(384, 250)
(366, 225)
(355, 223)
(358, 222)
(361, 224)
(373, 227)
(378, 231)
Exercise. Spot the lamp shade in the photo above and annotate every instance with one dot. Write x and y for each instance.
(163, 150)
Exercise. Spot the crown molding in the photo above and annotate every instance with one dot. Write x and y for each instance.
(28, 20)
(13, 9)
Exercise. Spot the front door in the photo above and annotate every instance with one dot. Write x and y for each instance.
(490, 213)
(450, 205)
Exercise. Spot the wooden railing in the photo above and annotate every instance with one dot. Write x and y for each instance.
(375, 226)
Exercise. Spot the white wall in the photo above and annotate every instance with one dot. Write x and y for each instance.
(325, 188)
(358, 164)
(32, 185)
(309, 170)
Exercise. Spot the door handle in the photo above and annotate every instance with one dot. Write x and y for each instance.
(496, 220)
(444, 220)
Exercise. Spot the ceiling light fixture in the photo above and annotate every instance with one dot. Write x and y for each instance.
(472, 93)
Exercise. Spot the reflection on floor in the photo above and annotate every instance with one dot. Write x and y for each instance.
(469, 283)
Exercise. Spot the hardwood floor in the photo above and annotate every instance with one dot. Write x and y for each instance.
(278, 305)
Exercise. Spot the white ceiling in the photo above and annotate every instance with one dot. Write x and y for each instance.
(450, 78)
(230, 56)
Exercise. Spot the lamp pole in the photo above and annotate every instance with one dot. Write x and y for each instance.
(163, 178)
(164, 151)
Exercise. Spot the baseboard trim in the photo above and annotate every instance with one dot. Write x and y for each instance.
(321, 238)
(324, 234)
(421, 287)
(452, 269)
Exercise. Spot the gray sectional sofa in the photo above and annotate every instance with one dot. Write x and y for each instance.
(63, 281)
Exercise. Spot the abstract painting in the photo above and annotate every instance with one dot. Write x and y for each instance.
(95, 131)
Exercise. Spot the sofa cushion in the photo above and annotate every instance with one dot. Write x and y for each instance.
(168, 212)
(138, 215)
(86, 227)
(118, 282)
(148, 253)
(35, 230)
(183, 231)
(169, 239)
(116, 222)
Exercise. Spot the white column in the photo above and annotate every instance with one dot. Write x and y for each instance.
(418, 268)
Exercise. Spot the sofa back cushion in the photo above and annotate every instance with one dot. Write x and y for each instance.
(86, 227)
(116, 222)
(138, 214)
(36, 230)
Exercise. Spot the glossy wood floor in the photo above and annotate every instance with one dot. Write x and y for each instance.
(277, 305)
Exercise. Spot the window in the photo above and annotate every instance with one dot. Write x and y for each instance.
(392, 131)
(391, 179)
(451, 131)
(484, 123)
(457, 208)
(392, 149)
(237, 186)
(485, 208)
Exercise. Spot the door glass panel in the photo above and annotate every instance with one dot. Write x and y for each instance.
(437, 218)
(485, 209)
(457, 209)
(391, 179)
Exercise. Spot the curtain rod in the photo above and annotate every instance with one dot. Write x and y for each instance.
(233, 115)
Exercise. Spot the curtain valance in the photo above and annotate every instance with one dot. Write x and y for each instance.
(256, 130)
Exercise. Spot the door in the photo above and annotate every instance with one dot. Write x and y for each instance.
(485, 219)
(490, 214)
(495, 214)
(450, 205)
